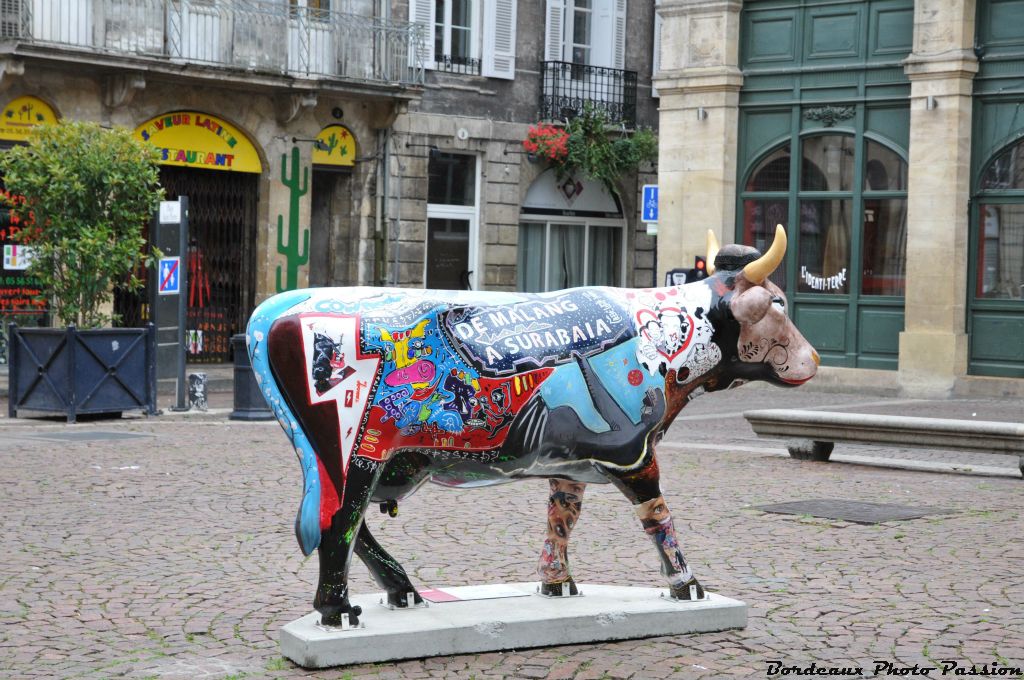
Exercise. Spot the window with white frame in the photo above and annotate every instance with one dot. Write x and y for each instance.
(582, 20)
(476, 37)
(452, 192)
(587, 32)
(456, 42)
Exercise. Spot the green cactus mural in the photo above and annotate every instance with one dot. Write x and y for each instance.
(297, 256)
(332, 143)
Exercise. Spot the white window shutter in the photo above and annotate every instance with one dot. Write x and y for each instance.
(619, 60)
(499, 58)
(656, 60)
(554, 31)
(422, 12)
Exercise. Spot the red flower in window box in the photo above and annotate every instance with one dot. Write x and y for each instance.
(548, 142)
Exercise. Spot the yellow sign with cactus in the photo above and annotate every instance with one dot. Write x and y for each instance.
(21, 115)
(335, 145)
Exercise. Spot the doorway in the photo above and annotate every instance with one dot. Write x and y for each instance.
(333, 242)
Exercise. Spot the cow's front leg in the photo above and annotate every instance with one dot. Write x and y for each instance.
(337, 544)
(643, 488)
(657, 523)
(564, 507)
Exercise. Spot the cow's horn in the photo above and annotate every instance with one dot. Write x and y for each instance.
(761, 268)
(712, 252)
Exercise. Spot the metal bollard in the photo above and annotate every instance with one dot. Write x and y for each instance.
(249, 402)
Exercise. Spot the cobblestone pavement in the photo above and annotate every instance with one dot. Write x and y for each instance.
(171, 555)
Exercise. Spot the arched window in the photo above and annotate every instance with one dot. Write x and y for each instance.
(829, 191)
(1000, 269)
(766, 203)
(884, 235)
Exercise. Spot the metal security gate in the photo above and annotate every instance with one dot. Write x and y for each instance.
(221, 282)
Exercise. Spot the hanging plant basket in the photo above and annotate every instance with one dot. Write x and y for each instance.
(590, 144)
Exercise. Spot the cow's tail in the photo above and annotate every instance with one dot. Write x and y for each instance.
(307, 522)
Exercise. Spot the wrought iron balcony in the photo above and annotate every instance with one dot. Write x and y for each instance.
(254, 35)
(463, 65)
(567, 88)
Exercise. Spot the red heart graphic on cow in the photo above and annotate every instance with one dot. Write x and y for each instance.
(645, 316)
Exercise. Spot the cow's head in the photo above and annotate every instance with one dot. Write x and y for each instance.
(767, 344)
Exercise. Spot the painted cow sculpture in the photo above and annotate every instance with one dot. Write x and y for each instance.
(381, 390)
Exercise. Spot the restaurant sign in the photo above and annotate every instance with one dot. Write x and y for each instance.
(198, 140)
(21, 115)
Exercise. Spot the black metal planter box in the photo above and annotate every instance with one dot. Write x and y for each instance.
(77, 372)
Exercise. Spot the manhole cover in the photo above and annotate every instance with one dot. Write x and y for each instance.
(858, 512)
(86, 436)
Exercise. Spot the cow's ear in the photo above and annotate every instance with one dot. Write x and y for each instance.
(751, 305)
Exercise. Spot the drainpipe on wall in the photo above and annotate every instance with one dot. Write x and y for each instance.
(381, 231)
(396, 221)
(380, 234)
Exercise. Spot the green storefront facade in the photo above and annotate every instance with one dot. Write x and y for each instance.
(823, 139)
(996, 281)
(823, 136)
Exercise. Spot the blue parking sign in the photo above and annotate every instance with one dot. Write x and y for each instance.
(169, 276)
(649, 211)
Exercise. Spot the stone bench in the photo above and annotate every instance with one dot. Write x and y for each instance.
(813, 434)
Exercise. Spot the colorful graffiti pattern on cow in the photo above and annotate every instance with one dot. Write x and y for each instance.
(429, 397)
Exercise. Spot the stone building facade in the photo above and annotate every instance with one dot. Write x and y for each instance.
(886, 136)
(493, 68)
(314, 137)
(270, 118)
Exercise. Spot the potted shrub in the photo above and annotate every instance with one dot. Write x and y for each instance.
(88, 192)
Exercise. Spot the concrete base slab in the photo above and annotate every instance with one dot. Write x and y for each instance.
(471, 626)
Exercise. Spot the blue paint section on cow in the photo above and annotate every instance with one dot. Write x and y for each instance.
(307, 523)
(566, 387)
(622, 376)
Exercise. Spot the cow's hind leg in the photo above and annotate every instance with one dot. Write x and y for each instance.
(337, 544)
(564, 507)
(642, 487)
(385, 570)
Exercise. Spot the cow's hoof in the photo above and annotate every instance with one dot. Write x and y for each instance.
(399, 598)
(691, 590)
(332, 617)
(559, 589)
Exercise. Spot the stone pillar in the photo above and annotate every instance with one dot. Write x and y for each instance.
(933, 346)
(698, 84)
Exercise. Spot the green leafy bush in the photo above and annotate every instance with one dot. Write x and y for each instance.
(602, 151)
(89, 192)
